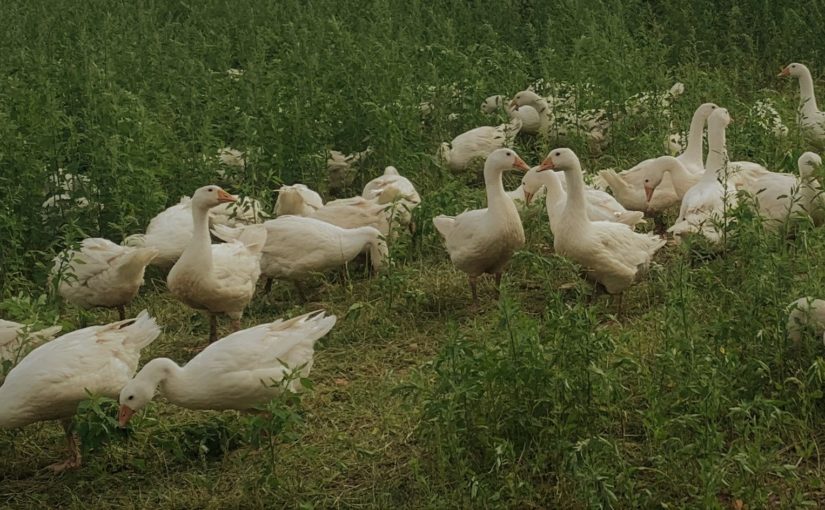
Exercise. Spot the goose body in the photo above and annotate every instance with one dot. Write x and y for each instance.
(355, 212)
(806, 314)
(101, 273)
(811, 120)
(483, 240)
(342, 168)
(600, 205)
(298, 200)
(593, 124)
(217, 278)
(394, 188)
(612, 254)
(54, 378)
(239, 371)
(16, 339)
(705, 204)
(477, 143)
(529, 117)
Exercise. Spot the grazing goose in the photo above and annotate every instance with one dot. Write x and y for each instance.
(611, 254)
(394, 188)
(53, 379)
(240, 371)
(217, 278)
(483, 240)
(477, 143)
(298, 200)
(810, 119)
(101, 273)
(705, 204)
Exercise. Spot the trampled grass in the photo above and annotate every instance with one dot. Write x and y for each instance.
(690, 397)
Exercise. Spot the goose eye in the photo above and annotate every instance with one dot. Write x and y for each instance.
(210, 190)
(509, 153)
(558, 153)
(131, 397)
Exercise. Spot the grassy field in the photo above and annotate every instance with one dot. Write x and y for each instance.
(691, 397)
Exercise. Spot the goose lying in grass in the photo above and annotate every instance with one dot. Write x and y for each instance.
(53, 379)
(705, 204)
(477, 143)
(483, 240)
(811, 120)
(16, 339)
(611, 254)
(342, 168)
(393, 188)
(806, 314)
(101, 273)
(600, 205)
(217, 278)
(355, 212)
(529, 117)
(298, 200)
(240, 371)
(297, 247)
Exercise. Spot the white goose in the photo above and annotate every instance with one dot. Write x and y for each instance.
(240, 371)
(17, 339)
(297, 247)
(169, 232)
(812, 200)
(477, 143)
(632, 196)
(612, 254)
(806, 314)
(530, 119)
(53, 379)
(342, 168)
(297, 199)
(483, 240)
(705, 204)
(244, 211)
(600, 205)
(355, 212)
(217, 278)
(394, 188)
(101, 273)
(811, 120)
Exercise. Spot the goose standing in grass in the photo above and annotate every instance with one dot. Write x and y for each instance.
(704, 206)
(611, 253)
(16, 339)
(600, 205)
(297, 247)
(240, 371)
(393, 188)
(169, 232)
(217, 278)
(297, 199)
(811, 120)
(477, 143)
(806, 314)
(483, 240)
(101, 273)
(529, 117)
(53, 379)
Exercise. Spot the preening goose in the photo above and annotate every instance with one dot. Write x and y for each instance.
(53, 379)
(342, 169)
(101, 273)
(393, 188)
(297, 199)
(240, 371)
(483, 240)
(611, 254)
(217, 278)
(477, 143)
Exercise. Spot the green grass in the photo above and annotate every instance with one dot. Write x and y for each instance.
(691, 397)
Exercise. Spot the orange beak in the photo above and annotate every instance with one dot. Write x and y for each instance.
(649, 192)
(514, 105)
(124, 415)
(520, 164)
(547, 164)
(527, 197)
(784, 72)
(223, 197)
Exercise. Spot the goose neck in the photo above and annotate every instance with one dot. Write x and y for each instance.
(693, 151)
(807, 100)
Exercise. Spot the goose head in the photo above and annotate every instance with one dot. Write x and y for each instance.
(524, 98)
(491, 104)
(706, 109)
(443, 153)
(210, 196)
(720, 116)
(134, 397)
(809, 162)
(795, 69)
(504, 159)
(532, 182)
(560, 159)
(391, 170)
(653, 171)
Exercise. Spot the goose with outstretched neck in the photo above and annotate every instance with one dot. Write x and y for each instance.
(811, 120)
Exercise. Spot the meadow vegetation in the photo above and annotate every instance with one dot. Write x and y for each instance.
(691, 397)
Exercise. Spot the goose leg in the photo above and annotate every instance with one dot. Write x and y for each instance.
(300, 287)
(268, 286)
(213, 327)
(121, 311)
(498, 285)
(74, 450)
(473, 288)
(236, 324)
